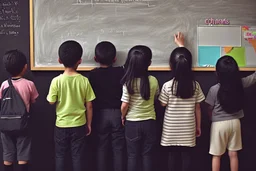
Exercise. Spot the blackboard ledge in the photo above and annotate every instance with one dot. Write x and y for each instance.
(154, 68)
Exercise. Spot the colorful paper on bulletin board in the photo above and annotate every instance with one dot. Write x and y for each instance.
(253, 43)
(238, 53)
(208, 55)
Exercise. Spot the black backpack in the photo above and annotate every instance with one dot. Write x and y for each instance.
(13, 114)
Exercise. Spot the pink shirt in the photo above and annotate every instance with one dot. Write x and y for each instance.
(25, 88)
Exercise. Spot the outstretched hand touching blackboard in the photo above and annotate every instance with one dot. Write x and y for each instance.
(179, 39)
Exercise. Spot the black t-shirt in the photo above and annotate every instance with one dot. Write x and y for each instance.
(107, 87)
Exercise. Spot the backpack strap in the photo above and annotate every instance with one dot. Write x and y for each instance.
(10, 82)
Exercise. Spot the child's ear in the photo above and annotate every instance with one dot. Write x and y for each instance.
(26, 67)
(95, 59)
(150, 63)
(60, 61)
(79, 62)
(114, 60)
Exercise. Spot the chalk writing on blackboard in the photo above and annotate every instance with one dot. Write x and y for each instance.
(10, 19)
(116, 2)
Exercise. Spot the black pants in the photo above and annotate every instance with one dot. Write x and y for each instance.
(141, 140)
(110, 138)
(70, 140)
(179, 153)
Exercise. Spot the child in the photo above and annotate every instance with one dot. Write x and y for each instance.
(225, 101)
(17, 145)
(181, 96)
(139, 92)
(105, 82)
(71, 91)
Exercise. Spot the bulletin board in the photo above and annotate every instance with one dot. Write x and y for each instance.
(233, 40)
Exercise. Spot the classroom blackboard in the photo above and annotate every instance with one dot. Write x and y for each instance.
(14, 28)
(130, 22)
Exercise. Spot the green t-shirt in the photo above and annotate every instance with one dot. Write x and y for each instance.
(140, 109)
(70, 94)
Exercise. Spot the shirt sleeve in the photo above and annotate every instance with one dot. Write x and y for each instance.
(53, 92)
(249, 80)
(1, 90)
(211, 97)
(34, 93)
(163, 97)
(125, 96)
(199, 94)
(89, 94)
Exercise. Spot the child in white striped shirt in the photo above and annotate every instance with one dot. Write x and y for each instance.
(182, 96)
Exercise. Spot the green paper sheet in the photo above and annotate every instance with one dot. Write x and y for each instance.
(238, 53)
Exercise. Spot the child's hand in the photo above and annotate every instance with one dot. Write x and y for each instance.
(123, 121)
(179, 39)
(89, 130)
(198, 132)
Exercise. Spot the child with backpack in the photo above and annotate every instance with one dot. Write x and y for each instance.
(181, 96)
(138, 112)
(16, 96)
(73, 96)
(226, 102)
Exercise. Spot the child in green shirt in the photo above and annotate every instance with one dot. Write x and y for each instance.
(73, 96)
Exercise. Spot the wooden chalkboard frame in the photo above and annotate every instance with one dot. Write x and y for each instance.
(36, 68)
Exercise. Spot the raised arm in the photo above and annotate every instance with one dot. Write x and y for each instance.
(249, 80)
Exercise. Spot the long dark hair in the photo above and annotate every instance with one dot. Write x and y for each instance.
(231, 92)
(180, 62)
(138, 61)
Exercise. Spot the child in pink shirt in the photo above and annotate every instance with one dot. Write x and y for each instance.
(17, 146)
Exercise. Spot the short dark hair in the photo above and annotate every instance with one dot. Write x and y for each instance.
(14, 61)
(70, 52)
(105, 53)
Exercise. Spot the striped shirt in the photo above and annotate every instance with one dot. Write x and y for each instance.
(179, 127)
(139, 108)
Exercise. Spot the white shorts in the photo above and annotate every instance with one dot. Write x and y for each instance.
(225, 135)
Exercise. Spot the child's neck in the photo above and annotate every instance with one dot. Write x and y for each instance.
(70, 71)
(105, 66)
(17, 77)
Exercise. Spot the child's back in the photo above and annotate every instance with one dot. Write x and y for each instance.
(138, 113)
(73, 96)
(105, 82)
(107, 87)
(179, 113)
(182, 97)
(17, 145)
(226, 102)
(70, 92)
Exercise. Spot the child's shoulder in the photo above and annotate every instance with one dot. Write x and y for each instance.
(168, 83)
(62, 78)
(152, 78)
(27, 81)
(215, 88)
(21, 81)
(114, 69)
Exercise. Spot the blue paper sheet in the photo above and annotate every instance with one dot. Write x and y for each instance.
(208, 55)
